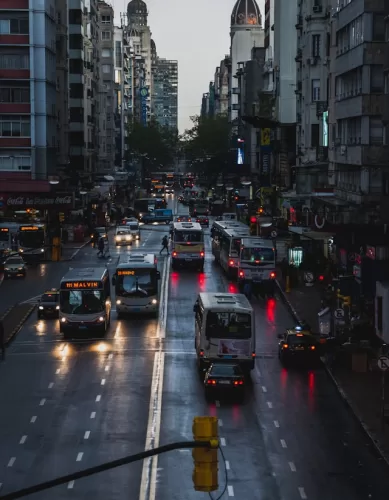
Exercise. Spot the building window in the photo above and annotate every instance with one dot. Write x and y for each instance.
(106, 35)
(105, 19)
(106, 53)
(315, 90)
(75, 16)
(106, 68)
(376, 131)
(118, 54)
(315, 45)
(378, 28)
(9, 163)
(109, 148)
(376, 79)
(14, 61)
(15, 94)
(315, 130)
(15, 126)
(14, 27)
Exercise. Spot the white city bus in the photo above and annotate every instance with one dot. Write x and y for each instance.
(85, 300)
(187, 245)
(226, 240)
(224, 330)
(257, 260)
(32, 241)
(136, 284)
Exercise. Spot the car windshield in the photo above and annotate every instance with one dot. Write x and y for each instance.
(15, 261)
(188, 236)
(225, 370)
(228, 325)
(50, 297)
(258, 254)
(121, 233)
(142, 284)
(81, 301)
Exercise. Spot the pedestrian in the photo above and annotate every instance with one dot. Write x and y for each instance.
(165, 245)
(2, 340)
(100, 246)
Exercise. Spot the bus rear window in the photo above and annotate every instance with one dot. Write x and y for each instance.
(228, 325)
(188, 236)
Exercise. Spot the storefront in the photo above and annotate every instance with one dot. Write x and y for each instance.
(47, 207)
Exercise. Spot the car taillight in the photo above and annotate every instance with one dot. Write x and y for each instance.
(284, 346)
(231, 262)
(211, 381)
(206, 220)
(241, 274)
(201, 354)
(201, 254)
(238, 382)
(253, 355)
(272, 275)
(174, 254)
(313, 347)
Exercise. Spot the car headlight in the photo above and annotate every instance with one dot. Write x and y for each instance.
(128, 237)
(137, 236)
(42, 249)
(21, 250)
(41, 308)
(101, 319)
(63, 320)
(7, 269)
(118, 302)
(57, 308)
(117, 238)
(154, 302)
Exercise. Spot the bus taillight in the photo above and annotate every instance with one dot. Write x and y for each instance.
(201, 254)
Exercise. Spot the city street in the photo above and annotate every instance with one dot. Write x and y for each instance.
(69, 406)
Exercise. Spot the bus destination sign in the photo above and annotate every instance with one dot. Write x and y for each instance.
(29, 228)
(126, 272)
(77, 285)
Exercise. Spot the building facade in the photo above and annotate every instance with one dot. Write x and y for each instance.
(165, 92)
(221, 80)
(268, 84)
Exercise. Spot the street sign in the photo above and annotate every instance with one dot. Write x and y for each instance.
(258, 193)
(339, 314)
(383, 363)
(273, 234)
(308, 277)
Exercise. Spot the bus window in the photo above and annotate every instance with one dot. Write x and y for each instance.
(188, 236)
(228, 325)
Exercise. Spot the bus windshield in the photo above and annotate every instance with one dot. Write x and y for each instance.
(258, 254)
(32, 239)
(188, 236)
(81, 301)
(228, 325)
(142, 284)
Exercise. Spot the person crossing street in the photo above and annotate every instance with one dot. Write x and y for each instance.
(165, 245)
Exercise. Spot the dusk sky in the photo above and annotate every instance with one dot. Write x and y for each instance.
(196, 33)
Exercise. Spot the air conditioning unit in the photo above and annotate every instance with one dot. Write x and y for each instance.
(317, 9)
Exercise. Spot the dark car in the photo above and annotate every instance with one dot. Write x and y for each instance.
(14, 267)
(202, 220)
(297, 346)
(49, 304)
(223, 377)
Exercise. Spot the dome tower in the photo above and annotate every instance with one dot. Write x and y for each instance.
(137, 13)
(246, 13)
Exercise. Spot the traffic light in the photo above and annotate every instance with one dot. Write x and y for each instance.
(253, 225)
(205, 474)
(347, 301)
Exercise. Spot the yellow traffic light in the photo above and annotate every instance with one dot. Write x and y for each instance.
(347, 301)
(205, 474)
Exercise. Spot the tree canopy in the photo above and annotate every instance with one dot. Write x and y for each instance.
(153, 141)
(207, 144)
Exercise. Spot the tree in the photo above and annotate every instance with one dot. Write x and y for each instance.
(207, 145)
(153, 141)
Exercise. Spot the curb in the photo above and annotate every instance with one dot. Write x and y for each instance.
(354, 412)
(292, 310)
(17, 329)
(6, 312)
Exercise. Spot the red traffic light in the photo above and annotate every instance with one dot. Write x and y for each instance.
(253, 220)
(321, 278)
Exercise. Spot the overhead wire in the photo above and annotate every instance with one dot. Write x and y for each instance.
(225, 476)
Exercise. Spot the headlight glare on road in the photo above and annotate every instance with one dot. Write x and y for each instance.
(118, 302)
(41, 308)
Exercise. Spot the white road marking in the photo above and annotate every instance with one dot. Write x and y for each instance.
(230, 490)
(11, 461)
(264, 389)
(220, 422)
(79, 456)
(303, 495)
(270, 404)
(98, 398)
(292, 467)
(87, 434)
(93, 414)
(150, 465)
(33, 420)
(227, 465)
(217, 403)
(70, 485)
(23, 439)
(51, 385)
(223, 441)
(107, 368)
(57, 371)
(161, 328)
(276, 423)
(42, 402)
(1, 485)
(283, 443)
(103, 381)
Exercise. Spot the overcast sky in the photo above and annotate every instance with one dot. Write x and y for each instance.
(196, 33)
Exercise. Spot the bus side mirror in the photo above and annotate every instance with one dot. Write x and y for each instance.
(158, 275)
(114, 280)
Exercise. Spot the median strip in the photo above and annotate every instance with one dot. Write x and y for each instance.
(14, 318)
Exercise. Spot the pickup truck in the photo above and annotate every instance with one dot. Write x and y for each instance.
(159, 215)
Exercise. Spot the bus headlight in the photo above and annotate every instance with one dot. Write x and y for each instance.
(154, 302)
(63, 320)
(41, 308)
(137, 236)
(118, 302)
(101, 319)
(42, 249)
(57, 308)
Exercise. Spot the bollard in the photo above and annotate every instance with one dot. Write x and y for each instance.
(287, 284)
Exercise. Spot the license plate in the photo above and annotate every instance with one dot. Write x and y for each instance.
(82, 327)
(136, 309)
(299, 348)
(225, 382)
(188, 260)
(227, 357)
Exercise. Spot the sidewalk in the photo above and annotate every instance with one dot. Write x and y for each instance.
(360, 391)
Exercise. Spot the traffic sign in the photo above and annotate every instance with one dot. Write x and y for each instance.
(383, 363)
(308, 277)
(273, 234)
(339, 314)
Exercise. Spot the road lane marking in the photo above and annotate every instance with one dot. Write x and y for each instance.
(303, 495)
(11, 461)
(276, 423)
(57, 371)
(107, 368)
(70, 485)
(51, 385)
(230, 490)
(264, 389)
(42, 402)
(87, 434)
(93, 414)
(33, 420)
(150, 465)
(223, 441)
(98, 398)
(283, 443)
(162, 317)
(292, 467)
(220, 422)
(23, 439)
(217, 403)
(79, 456)
(103, 381)
(270, 404)
(227, 465)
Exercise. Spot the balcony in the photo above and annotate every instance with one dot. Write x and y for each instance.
(14, 39)
(359, 105)
(366, 53)
(360, 154)
(322, 153)
(299, 55)
(299, 23)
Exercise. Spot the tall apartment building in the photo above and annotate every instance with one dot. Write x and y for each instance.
(28, 119)
(268, 83)
(165, 92)
(356, 133)
(106, 126)
(312, 60)
(221, 86)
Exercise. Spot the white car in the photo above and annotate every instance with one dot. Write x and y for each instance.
(14, 267)
(123, 236)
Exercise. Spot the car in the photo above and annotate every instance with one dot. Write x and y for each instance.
(224, 377)
(297, 345)
(202, 220)
(49, 304)
(183, 218)
(14, 267)
(123, 236)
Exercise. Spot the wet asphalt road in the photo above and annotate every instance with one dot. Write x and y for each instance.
(68, 406)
